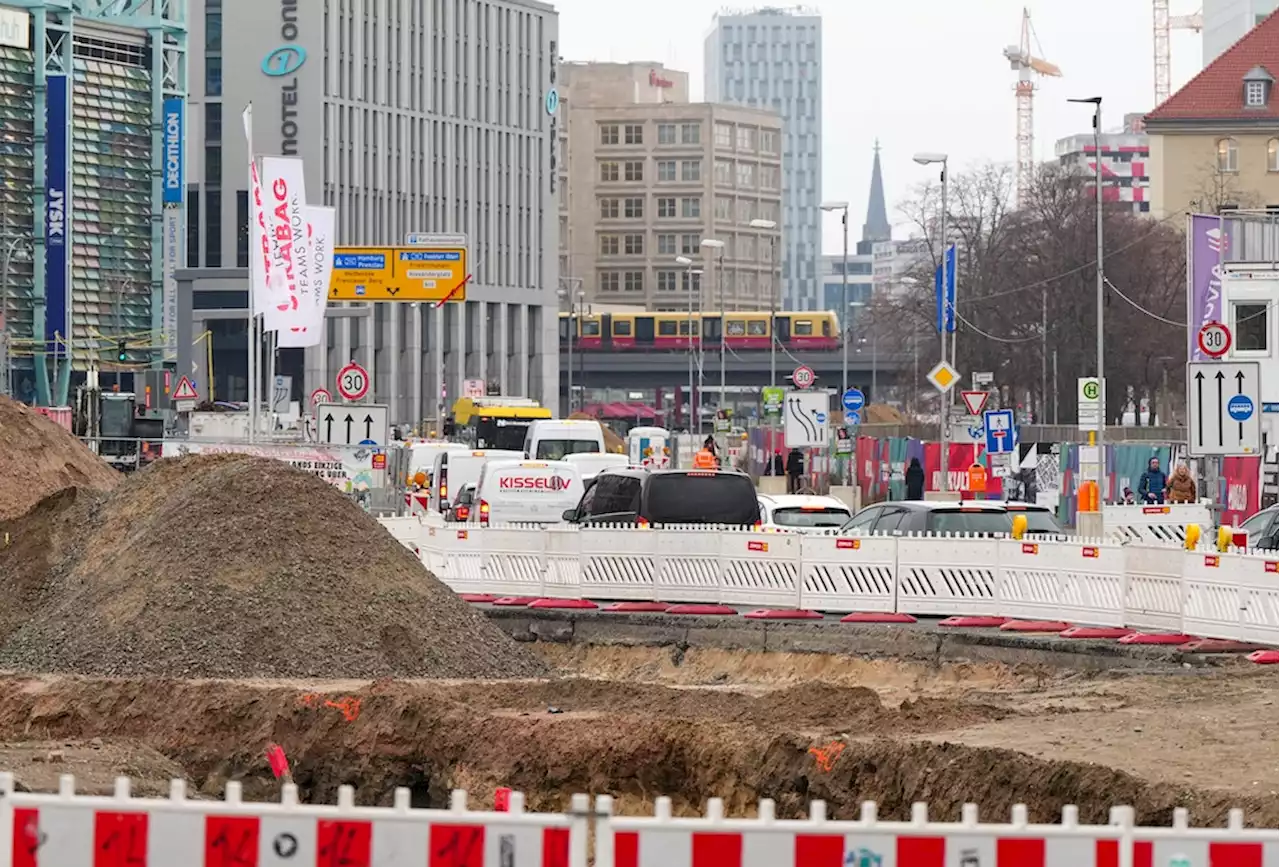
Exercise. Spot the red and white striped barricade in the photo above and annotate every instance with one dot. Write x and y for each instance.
(713, 841)
(69, 830)
(1184, 846)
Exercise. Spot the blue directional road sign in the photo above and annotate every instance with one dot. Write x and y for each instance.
(999, 429)
(853, 400)
(852, 417)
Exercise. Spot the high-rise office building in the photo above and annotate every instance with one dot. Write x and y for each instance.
(425, 117)
(772, 58)
(1227, 21)
(649, 176)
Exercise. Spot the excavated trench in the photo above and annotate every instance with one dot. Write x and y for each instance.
(553, 739)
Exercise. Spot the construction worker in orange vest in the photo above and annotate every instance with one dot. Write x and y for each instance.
(704, 460)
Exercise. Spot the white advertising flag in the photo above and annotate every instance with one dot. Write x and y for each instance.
(320, 226)
(259, 245)
(286, 219)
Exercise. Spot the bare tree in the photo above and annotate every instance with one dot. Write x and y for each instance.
(1219, 191)
(1026, 288)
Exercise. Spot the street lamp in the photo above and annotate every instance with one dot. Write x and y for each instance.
(770, 225)
(1096, 102)
(713, 244)
(856, 305)
(929, 158)
(843, 207)
(687, 263)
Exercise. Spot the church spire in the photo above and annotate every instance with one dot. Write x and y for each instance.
(877, 227)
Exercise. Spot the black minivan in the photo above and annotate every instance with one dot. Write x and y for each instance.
(651, 498)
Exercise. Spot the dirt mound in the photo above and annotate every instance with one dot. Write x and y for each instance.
(237, 566)
(32, 548)
(38, 458)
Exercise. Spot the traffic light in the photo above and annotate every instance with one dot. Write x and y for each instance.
(122, 351)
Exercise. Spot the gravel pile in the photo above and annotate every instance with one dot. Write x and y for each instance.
(236, 566)
(39, 458)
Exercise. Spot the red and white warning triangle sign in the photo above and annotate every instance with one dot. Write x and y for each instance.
(975, 401)
(185, 390)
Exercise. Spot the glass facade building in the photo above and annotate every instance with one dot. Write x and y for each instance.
(80, 189)
(772, 58)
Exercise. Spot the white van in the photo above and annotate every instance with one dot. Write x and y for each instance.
(552, 439)
(455, 469)
(518, 492)
(422, 456)
(590, 463)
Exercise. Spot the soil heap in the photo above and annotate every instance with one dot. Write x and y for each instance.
(237, 566)
(39, 458)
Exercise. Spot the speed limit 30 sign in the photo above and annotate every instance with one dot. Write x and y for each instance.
(1214, 339)
(802, 376)
(353, 381)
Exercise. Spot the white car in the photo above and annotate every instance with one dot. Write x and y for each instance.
(801, 513)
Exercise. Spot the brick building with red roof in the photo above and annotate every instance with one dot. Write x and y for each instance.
(1214, 142)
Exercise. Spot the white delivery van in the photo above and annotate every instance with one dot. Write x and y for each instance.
(453, 469)
(518, 492)
(590, 463)
(649, 447)
(422, 456)
(552, 439)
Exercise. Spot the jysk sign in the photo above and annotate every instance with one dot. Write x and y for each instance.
(57, 187)
(282, 64)
(172, 137)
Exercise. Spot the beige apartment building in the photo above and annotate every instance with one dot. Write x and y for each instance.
(646, 176)
(1215, 144)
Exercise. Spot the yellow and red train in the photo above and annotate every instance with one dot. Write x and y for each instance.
(607, 332)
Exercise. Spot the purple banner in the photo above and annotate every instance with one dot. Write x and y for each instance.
(1205, 241)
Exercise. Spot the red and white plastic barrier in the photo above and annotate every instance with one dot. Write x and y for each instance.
(713, 841)
(68, 830)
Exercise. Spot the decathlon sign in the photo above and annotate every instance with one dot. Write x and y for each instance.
(173, 168)
(282, 64)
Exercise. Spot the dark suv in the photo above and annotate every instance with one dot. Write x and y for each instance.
(644, 498)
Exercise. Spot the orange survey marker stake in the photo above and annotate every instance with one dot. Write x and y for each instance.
(277, 760)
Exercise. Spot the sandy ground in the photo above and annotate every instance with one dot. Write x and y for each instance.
(638, 722)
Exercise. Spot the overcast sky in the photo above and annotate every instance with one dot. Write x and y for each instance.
(919, 75)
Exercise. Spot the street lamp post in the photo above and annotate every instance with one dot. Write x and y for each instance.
(770, 225)
(944, 406)
(688, 288)
(714, 244)
(843, 207)
(1100, 276)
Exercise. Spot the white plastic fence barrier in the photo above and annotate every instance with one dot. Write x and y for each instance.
(1166, 523)
(714, 841)
(1090, 582)
(69, 830)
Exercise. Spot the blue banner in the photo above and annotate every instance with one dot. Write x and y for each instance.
(174, 170)
(57, 201)
(951, 292)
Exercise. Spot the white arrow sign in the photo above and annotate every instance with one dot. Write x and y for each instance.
(345, 424)
(1224, 412)
(804, 416)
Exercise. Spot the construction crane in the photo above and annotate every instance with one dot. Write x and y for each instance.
(1162, 25)
(1022, 61)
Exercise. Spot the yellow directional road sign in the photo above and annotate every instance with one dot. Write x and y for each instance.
(399, 274)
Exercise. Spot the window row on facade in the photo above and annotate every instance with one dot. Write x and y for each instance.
(1229, 155)
(747, 175)
(665, 207)
(736, 283)
(740, 247)
(740, 137)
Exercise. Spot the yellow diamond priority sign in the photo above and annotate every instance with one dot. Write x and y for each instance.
(943, 376)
